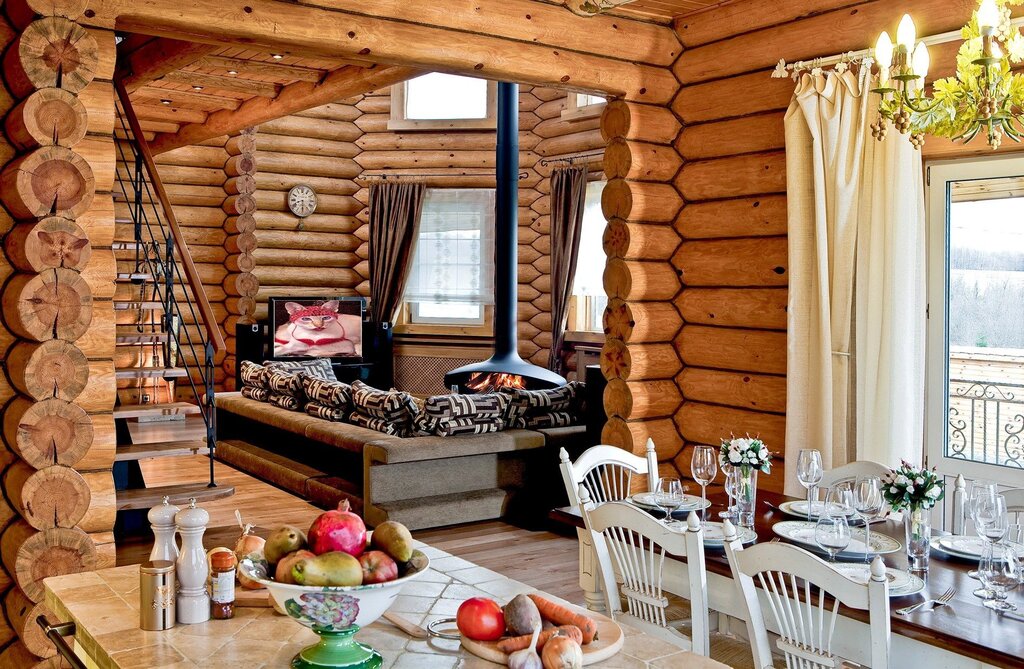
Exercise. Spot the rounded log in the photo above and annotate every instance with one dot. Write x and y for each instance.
(241, 224)
(239, 144)
(17, 656)
(31, 556)
(753, 217)
(23, 12)
(240, 185)
(639, 241)
(51, 369)
(52, 52)
(632, 435)
(243, 243)
(615, 359)
(22, 612)
(618, 399)
(51, 116)
(641, 322)
(242, 262)
(46, 498)
(635, 280)
(631, 120)
(240, 204)
(244, 306)
(51, 180)
(56, 304)
(51, 432)
(241, 164)
(640, 161)
(102, 510)
(52, 242)
(241, 285)
(640, 201)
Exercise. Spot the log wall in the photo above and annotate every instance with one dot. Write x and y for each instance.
(57, 514)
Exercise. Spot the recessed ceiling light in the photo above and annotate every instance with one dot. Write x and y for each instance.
(197, 88)
(165, 102)
(232, 72)
(276, 56)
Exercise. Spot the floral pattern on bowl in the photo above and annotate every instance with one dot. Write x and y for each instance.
(324, 611)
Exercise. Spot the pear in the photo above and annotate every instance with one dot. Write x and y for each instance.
(394, 539)
(282, 541)
(330, 569)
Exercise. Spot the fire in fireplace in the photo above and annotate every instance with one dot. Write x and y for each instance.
(483, 382)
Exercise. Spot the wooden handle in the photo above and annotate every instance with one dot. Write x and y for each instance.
(415, 631)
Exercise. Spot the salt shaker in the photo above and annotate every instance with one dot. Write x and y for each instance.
(161, 519)
(156, 595)
(192, 569)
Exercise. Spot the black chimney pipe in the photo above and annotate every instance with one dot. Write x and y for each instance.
(506, 250)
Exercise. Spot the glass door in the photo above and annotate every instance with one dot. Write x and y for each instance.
(975, 381)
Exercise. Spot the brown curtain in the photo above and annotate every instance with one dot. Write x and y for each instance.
(568, 197)
(395, 208)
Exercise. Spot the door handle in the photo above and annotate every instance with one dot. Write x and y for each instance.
(56, 634)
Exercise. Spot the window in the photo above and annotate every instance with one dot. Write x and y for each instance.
(588, 297)
(975, 420)
(451, 281)
(583, 105)
(438, 101)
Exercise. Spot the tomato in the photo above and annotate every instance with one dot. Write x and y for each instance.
(481, 619)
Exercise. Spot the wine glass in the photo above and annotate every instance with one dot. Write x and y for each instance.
(809, 472)
(998, 571)
(832, 534)
(980, 490)
(668, 496)
(704, 468)
(867, 501)
(732, 479)
(992, 523)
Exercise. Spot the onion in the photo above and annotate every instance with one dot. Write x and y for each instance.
(561, 652)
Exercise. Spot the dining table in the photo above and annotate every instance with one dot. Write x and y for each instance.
(963, 635)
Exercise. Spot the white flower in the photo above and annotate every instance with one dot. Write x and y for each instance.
(902, 480)
(763, 453)
(933, 492)
(919, 480)
(894, 490)
(735, 458)
(910, 489)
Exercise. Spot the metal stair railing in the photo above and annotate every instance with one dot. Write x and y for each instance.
(161, 252)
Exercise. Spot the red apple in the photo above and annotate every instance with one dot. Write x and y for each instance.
(378, 567)
(339, 530)
(283, 572)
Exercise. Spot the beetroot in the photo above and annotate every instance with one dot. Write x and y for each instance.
(339, 530)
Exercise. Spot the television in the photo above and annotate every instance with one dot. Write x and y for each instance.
(317, 327)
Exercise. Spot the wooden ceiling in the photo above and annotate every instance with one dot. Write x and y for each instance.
(663, 11)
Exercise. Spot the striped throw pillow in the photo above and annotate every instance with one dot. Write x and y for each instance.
(328, 393)
(253, 374)
(390, 405)
(379, 425)
(454, 427)
(318, 367)
(318, 410)
(254, 393)
(283, 401)
(284, 383)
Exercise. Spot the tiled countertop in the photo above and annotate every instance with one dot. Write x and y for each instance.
(104, 606)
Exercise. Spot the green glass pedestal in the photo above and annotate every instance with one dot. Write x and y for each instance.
(338, 650)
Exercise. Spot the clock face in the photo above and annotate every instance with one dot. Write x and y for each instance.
(302, 200)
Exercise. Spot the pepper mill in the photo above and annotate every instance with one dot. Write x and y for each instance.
(192, 570)
(161, 519)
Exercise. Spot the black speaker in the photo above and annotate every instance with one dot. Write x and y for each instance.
(250, 344)
(378, 349)
(596, 416)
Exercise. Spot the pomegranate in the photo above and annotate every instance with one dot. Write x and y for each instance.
(339, 530)
(378, 567)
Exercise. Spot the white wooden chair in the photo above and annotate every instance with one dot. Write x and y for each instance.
(806, 629)
(1014, 507)
(607, 472)
(850, 472)
(633, 544)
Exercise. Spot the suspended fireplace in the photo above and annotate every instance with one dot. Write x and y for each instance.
(505, 368)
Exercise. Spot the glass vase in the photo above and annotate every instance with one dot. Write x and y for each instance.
(746, 496)
(918, 524)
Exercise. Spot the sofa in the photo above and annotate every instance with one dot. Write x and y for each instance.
(420, 481)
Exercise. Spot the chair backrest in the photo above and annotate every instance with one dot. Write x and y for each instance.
(788, 576)
(850, 472)
(1014, 507)
(634, 544)
(607, 472)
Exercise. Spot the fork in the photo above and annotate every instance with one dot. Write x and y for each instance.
(941, 600)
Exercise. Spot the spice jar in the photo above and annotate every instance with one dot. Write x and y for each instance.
(156, 595)
(222, 586)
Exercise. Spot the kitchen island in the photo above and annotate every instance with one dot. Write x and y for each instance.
(104, 606)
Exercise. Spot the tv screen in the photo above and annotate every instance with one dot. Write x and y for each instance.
(307, 327)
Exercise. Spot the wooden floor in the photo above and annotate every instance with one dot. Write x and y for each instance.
(544, 560)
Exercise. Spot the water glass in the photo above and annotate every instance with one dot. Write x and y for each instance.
(998, 572)
(832, 534)
(704, 468)
(668, 496)
(991, 521)
(809, 472)
(982, 491)
(732, 479)
(868, 502)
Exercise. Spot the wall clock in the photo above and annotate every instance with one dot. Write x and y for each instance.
(302, 200)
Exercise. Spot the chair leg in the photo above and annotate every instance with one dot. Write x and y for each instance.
(590, 579)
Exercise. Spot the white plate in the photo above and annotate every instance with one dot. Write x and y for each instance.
(690, 502)
(799, 509)
(802, 532)
(714, 533)
(901, 583)
(965, 547)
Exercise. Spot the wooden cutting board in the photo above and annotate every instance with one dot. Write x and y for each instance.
(608, 642)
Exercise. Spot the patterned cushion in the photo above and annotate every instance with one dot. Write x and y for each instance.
(333, 394)
(284, 383)
(467, 425)
(283, 401)
(523, 403)
(391, 405)
(546, 420)
(254, 393)
(318, 367)
(379, 424)
(253, 374)
(318, 410)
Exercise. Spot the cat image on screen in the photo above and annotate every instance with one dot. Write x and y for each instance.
(313, 330)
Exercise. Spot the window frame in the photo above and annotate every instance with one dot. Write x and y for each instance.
(398, 120)
(573, 331)
(575, 112)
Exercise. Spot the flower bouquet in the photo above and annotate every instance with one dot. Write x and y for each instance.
(914, 490)
(748, 456)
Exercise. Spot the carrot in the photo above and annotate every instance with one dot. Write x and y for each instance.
(514, 643)
(562, 615)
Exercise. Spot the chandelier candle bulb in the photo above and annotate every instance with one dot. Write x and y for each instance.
(922, 61)
(906, 33)
(988, 16)
(883, 52)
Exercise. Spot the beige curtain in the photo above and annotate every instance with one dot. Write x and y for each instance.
(568, 198)
(395, 208)
(855, 210)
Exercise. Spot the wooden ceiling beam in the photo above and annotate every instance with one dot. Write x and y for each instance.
(338, 85)
(186, 97)
(158, 57)
(449, 41)
(243, 66)
(262, 89)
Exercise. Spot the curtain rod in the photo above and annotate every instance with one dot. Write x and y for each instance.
(784, 69)
(396, 175)
(544, 162)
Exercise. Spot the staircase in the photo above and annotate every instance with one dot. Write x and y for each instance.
(167, 337)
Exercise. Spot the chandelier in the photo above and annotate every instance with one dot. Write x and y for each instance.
(983, 95)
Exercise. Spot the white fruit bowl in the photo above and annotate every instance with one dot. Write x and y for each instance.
(335, 613)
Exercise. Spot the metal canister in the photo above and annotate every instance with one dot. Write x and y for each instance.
(156, 595)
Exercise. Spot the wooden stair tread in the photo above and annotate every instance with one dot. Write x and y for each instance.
(161, 449)
(136, 305)
(134, 276)
(141, 338)
(151, 373)
(145, 498)
(141, 410)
